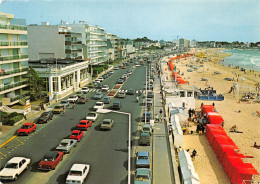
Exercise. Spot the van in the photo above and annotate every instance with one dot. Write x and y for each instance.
(145, 139)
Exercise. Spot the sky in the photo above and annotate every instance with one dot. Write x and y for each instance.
(202, 20)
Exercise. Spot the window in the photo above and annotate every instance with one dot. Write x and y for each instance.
(182, 93)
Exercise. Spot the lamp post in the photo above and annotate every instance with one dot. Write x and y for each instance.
(129, 137)
(57, 87)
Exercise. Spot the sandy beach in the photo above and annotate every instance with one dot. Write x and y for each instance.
(241, 114)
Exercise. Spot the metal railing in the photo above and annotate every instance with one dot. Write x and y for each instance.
(12, 85)
(13, 43)
(17, 70)
(13, 27)
(13, 57)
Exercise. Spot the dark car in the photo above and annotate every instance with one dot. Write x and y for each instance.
(150, 94)
(45, 117)
(120, 81)
(83, 100)
(147, 116)
(131, 92)
(116, 105)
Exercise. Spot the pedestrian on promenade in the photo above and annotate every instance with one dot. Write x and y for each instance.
(193, 155)
(160, 112)
(156, 117)
(170, 129)
(64, 110)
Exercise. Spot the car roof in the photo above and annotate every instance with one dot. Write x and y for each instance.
(142, 171)
(66, 140)
(50, 154)
(142, 153)
(107, 97)
(148, 113)
(145, 134)
(77, 167)
(107, 120)
(76, 131)
(27, 124)
(116, 102)
(16, 159)
(146, 126)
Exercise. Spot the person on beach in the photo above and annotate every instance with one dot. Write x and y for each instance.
(193, 155)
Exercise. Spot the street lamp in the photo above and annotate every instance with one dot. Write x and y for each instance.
(104, 111)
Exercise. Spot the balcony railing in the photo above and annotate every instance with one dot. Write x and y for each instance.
(67, 51)
(9, 72)
(72, 42)
(12, 85)
(13, 57)
(13, 43)
(13, 27)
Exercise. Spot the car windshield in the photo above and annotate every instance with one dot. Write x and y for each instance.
(75, 134)
(98, 104)
(106, 122)
(82, 123)
(63, 101)
(75, 173)
(143, 157)
(142, 178)
(25, 127)
(78, 92)
(146, 129)
(91, 114)
(63, 144)
(58, 107)
(44, 114)
(11, 165)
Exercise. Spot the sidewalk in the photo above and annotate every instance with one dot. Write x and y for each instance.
(162, 162)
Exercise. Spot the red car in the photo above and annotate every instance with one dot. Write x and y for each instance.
(77, 135)
(26, 129)
(84, 124)
(50, 160)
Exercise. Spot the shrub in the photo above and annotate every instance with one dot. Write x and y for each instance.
(13, 114)
(15, 119)
(3, 115)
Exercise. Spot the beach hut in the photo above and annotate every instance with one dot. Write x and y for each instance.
(215, 119)
(177, 131)
(207, 108)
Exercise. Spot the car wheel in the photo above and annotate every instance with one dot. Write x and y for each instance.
(26, 167)
(15, 177)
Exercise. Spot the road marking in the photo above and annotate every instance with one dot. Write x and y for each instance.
(3, 155)
(8, 141)
(20, 141)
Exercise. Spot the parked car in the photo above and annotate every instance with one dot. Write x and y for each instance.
(84, 124)
(79, 93)
(85, 89)
(120, 81)
(143, 176)
(107, 100)
(147, 129)
(105, 88)
(50, 160)
(14, 167)
(76, 134)
(99, 85)
(101, 79)
(145, 139)
(131, 92)
(121, 94)
(91, 85)
(149, 101)
(73, 98)
(116, 68)
(105, 76)
(26, 129)
(143, 159)
(150, 94)
(98, 96)
(92, 116)
(83, 100)
(123, 67)
(116, 105)
(58, 109)
(66, 145)
(106, 124)
(65, 103)
(99, 105)
(45, 117)
(150, 86)
(77, 174)
(111, 71)
(97, 81)
(147, 116)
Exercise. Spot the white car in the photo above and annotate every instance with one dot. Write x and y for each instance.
(97, 80)
(85, 89)
(14, 167)
(99, 105)
(105, 88)
(92, 116)
(116, 68)
(101, 79)
(78, 173)
(73, 98)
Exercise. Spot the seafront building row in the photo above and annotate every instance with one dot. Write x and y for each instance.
(60, 54)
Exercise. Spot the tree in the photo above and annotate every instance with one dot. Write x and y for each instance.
(35, 84)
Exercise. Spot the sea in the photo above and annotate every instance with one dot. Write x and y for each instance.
(244, 58)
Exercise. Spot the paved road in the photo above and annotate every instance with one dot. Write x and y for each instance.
(105, 151)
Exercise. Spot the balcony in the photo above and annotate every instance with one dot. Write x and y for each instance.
(13, 43)
(12, 85)
(73, 42)
(13, 57)
(68, 51)
(9, 72)
(13, 27)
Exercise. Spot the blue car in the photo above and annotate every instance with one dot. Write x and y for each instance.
(98, 96)
(142, 159)
(147, 116)
(143, 176)
(106, 100)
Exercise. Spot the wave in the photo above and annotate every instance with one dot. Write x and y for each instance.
(255, 60)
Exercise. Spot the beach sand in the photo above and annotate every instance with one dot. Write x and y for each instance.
(206, 163)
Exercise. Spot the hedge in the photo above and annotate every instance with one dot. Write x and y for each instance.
(15, 119)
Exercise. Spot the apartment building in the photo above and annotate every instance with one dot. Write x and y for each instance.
(54, 41)
(114, 44)
(13, 58)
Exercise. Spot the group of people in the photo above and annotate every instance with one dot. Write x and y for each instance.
(200, 128)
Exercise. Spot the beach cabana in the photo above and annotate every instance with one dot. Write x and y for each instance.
(207, 108)
(243, 174)
(177, 131)
(215, 119)
(171, 66)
